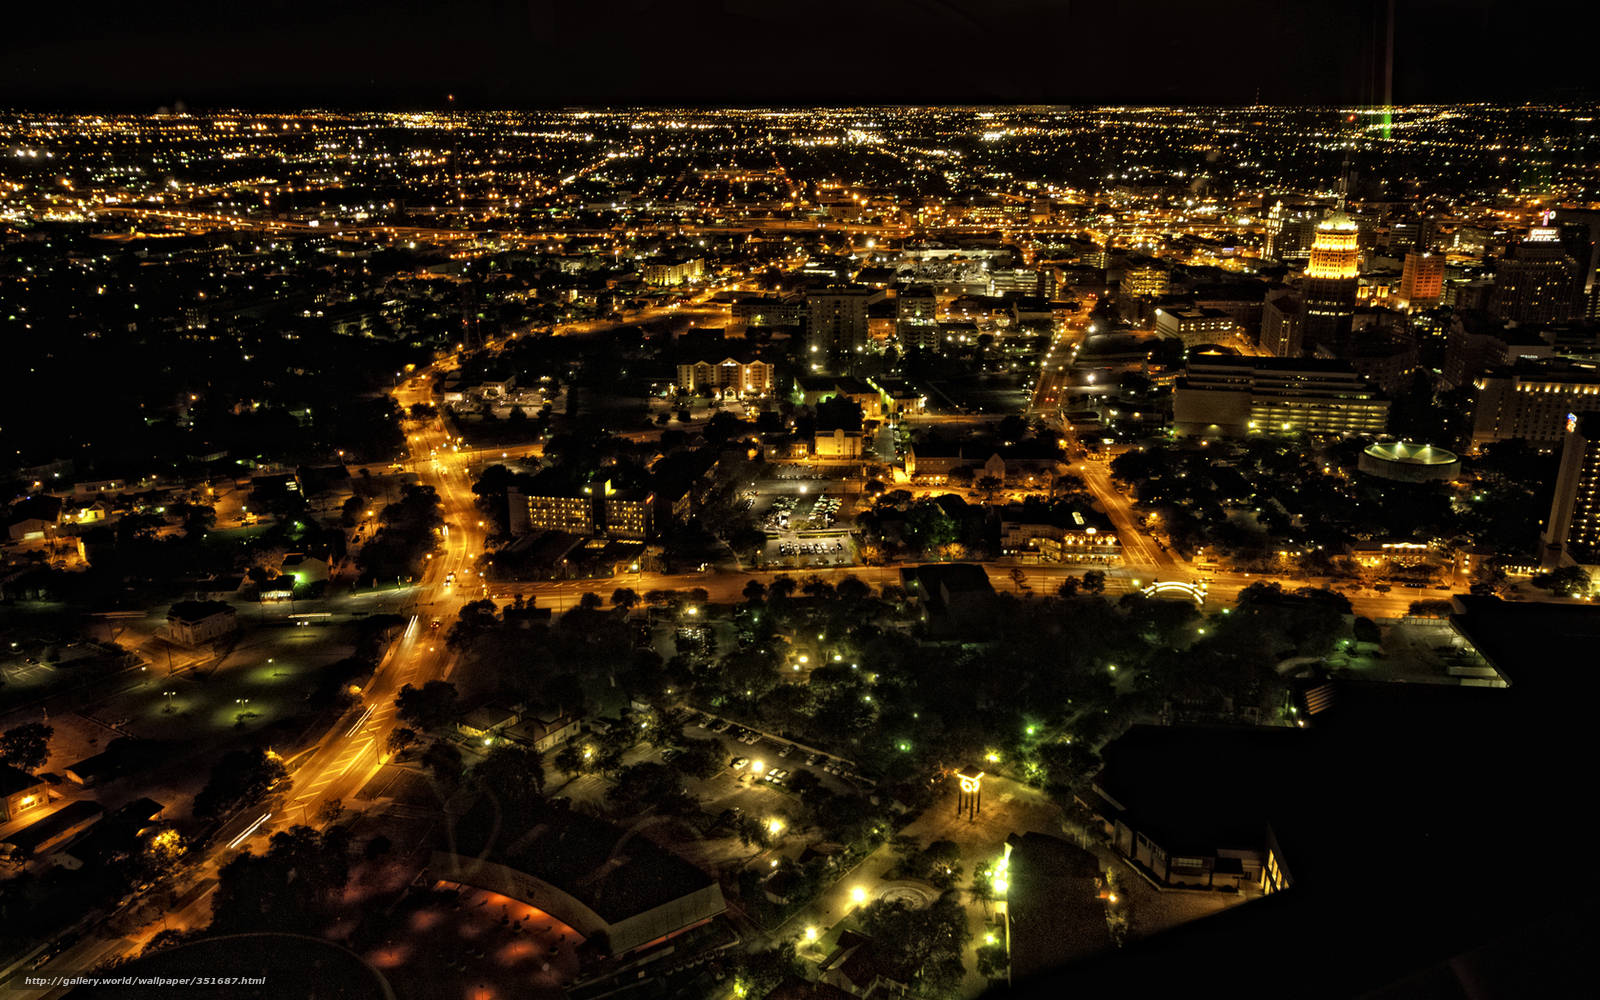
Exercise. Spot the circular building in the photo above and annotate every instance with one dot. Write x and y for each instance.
(1409, 462)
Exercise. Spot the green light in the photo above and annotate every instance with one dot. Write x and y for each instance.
(1032, 730)
(905, 747)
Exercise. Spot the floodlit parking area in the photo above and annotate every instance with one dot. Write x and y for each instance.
(808, 520)
(832, 548)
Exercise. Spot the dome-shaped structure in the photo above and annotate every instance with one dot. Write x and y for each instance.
(1409, 462)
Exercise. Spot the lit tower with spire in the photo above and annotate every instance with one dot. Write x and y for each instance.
(1328, 296)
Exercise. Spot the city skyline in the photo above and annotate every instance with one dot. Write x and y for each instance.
(525, 500)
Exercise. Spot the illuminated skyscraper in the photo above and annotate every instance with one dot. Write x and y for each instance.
(1422, 281)
(837, 325)
(1541, 282)
(1328, 296)
(1572, 532)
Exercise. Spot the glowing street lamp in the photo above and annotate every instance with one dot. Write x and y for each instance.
(858, 895)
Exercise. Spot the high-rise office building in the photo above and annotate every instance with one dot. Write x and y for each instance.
(1422, 281)
(1289, 231)
(917, 319)
(1583, 228)
(1328, 294)
(1572, 532)
(838, 326)
(1540, 282)
(1280, 325)
(1150, 280)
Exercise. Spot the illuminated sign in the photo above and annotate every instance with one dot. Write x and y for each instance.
(1572, 422)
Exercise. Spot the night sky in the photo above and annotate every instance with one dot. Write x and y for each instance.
(509, 53)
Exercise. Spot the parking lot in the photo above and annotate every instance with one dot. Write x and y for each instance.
(769, 759)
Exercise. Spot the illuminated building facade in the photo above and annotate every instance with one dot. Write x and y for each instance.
(1422, 280)
(627, 512)
(1226, 396)
(571, 514)
(1147, 280)
(595, 509)
(730, 376)
(1328, 295)
(20, 792)
(838, 325)
(1540, 282)
(917, 322)
(1194, 326)
(679, 273)
(1572, 532)
(1531, 401)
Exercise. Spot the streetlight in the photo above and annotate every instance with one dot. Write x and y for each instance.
(170, 695)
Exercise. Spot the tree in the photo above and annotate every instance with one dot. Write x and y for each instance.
(1366, 630)
(1568, 581)
(624, 598)
(922, 947)
(443, 761)
(401, 740)
(852, 590)
(640, 786)
(755, 591)
(1070, 585)
(992, 961)
(27, 746)
(292, 886)
(701, 758)
(1094, 582)
(240, 778)
(428, 707)
(162, 852)
(989, 485)
(570, 760)
(514, 776)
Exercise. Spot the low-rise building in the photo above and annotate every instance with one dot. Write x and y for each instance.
(621, 891)
(1085, 538)
(486, 722)
(1225, 396)
(544, 730)
(1190, 805)
(730, 377)
(20, 793)
(190, 623)
(1194, 326)
(837, 445)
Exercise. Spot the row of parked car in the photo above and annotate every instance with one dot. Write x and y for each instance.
(751, 737)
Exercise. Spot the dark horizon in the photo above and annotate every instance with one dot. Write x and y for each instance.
(536, 54)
